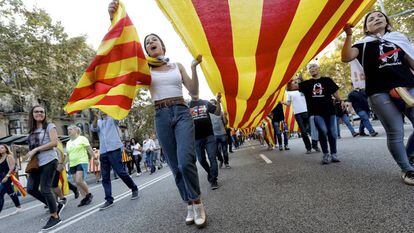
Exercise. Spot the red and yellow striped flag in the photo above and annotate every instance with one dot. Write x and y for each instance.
(115, 74)
(268, 131)
(252, 48)
(290, 116)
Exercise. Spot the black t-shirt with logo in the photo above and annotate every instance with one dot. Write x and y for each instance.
(385, 67)
(359, 100)
(278, 115)
(318, 95)
(200, 110)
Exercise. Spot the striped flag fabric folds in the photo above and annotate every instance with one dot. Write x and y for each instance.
(116, 73)
(252, 48)
(290, 116)
(268, 131)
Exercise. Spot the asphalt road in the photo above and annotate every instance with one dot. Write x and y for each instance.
(264, 191)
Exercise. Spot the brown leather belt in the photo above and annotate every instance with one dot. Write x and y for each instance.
(169, 102)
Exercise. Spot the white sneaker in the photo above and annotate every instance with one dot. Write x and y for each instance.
(18, 210)
(190, 215)
(200, 215)
(139, 174)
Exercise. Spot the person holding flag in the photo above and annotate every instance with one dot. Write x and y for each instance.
(7, 165)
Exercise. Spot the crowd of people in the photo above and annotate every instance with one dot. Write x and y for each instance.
(197, 130)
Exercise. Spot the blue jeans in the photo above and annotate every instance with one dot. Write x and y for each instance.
(8, 188)
(304, 125)
(175, 131)
(365, 123)
(278, 134)
(221, 141)
(149, 159)
(326, 126)
(114, 159)
(391, 118)
(314, 130)
(345, 119)
(201, 146)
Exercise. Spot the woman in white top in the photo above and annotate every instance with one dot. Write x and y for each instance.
(136, 154)
(174, 124)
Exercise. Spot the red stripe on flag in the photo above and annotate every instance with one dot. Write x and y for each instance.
(328, 11)
(116, 100)
(103, 86)
(274, 27)
(116, 31)
(117, 53)
(218, 30)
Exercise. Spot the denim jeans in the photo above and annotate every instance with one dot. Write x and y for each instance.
(345, 119)
(314, 131)
(8, 188)
(326, 126)
(43, 178)
(278, 134)
(391, 118)
(304, 125)
(114, 159)
(221, 141)
(149, 159)
(365, 123)
(175, 131)
(201, 146)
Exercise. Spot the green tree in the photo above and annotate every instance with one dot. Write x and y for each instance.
(141, 117)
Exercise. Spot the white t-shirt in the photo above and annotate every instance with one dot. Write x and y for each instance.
(297, 99)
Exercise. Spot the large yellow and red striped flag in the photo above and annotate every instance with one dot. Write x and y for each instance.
(268, 131)
(252, 48)
(290, 116)
(115, 74)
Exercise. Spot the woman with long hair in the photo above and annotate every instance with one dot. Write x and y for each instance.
(7, 166)
(42, 141)
(386, 57)
(79, 151)
(173, 122)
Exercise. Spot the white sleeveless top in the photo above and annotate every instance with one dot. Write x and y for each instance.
(166, 84)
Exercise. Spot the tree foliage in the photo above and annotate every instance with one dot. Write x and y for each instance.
(39, 62)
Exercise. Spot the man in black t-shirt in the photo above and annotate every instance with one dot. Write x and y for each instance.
(318, 93)
(359, 102)
(279, 117)
(204, 135)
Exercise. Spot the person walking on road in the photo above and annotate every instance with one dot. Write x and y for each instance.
(95, 166)
(342, 114)
(204, 136)
(148, 147)
(173, 122)
(219, 128)
(110, 147)
(278, 118)
(7, 166)
(42, 141)
(359, 102)
(136, 153)
(387, 59)
(79, 151)
(318, 92)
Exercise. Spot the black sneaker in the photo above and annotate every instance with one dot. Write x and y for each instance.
(221, 164)
(106, 205)
(408, 178)
(51, 223)
(373, 134)
(363, 134)
(76, 193)
(134, 195)
(227, 166)
(60, 207)
(214, 185)
(355, 134)
(64, 201)
(86, 201)
(317, 149)
(287, 148)
(82, 202)
(280, 148)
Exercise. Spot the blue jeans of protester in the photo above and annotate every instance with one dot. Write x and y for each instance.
(345, 119)
(390, 113)
(365, 123)
(149, 159)
(175, 131)
(114, 159)
(278, 135)
(304, 125)
(326, 126)
(314, 130)
(201, 146)
(221, 141)
(8, 188)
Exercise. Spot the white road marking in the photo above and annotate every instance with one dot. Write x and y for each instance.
(379, 138)
(266, 159)
(95, 208)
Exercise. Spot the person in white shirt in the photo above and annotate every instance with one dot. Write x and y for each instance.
(297, 99)
(148, 148)
(136, 154)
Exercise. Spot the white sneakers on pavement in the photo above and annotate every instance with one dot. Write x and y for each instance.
(200, 218)
(190, 215)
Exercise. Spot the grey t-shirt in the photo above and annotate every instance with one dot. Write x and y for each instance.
(218, 125)
(48, 155)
